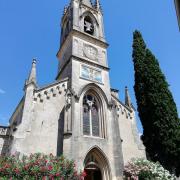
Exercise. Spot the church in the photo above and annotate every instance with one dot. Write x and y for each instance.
(79, 114)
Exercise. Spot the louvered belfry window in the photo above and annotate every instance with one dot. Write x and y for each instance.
(91, 122)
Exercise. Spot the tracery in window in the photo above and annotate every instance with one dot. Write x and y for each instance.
(91, 116)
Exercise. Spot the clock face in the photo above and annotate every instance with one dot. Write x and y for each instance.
(90, 52)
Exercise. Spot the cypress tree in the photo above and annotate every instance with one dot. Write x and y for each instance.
(156, 107)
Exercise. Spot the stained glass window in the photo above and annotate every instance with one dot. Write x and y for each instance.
(95, 121)
(86, 120)
(90, 116)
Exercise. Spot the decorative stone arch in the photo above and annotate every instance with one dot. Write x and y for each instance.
(96, 165)
(101, 102)
(96, 88)
(94, 21)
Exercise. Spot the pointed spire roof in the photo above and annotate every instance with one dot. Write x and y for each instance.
(87, 2)
(98, 5)
(32, 75)
(127, 97)
(65, 10)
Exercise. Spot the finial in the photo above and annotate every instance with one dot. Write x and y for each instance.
(34, 61)
(98, 5)
(65, 10)
(127, 97)
(32, 75)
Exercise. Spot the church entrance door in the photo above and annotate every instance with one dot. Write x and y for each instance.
(93, 174)
(96, 166)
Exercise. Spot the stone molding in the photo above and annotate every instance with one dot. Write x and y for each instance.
(50, 91)
(122, 108)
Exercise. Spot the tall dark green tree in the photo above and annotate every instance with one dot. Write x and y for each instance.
(156, 107)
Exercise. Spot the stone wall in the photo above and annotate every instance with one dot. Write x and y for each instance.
(1, 144)
(40, 132)
(132, 146)
(4, 140)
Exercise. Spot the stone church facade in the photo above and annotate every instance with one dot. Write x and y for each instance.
(79, 114)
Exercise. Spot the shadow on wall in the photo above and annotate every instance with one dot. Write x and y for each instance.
(60, 133)
(7, 145)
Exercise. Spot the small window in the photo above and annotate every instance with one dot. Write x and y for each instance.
(88, 25)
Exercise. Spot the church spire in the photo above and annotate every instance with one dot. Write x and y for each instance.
(98, 5)
(32, 75)
(127, 98)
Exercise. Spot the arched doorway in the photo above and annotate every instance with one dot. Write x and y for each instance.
(96, 166)
(93, 172)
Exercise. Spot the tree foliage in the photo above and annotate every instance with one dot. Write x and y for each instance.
(156, 107)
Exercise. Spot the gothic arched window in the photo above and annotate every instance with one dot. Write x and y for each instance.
(91, 116)
(88, 25)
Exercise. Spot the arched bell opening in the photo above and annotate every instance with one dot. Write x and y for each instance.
(88, 25)
(96, 166)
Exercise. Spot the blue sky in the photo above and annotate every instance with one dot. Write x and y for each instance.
(32, 29)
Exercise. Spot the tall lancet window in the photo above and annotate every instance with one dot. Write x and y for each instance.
(91, 116)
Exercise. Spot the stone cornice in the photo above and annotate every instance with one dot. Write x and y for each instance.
(81, 60)
(51, 85)
(50, 91)
(92, 39)
(84, 36)
(90, 63)
(90, 8)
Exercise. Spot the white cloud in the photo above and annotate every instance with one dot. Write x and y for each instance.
(2, 91)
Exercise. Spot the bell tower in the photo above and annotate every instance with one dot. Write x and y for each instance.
(83, 48)
(90, 120)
